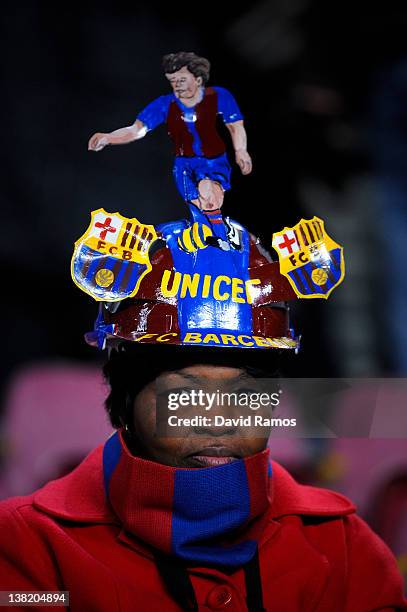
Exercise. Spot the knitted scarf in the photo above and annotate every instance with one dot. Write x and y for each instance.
(204, 516)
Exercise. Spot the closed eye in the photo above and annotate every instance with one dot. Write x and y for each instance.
(177, 390)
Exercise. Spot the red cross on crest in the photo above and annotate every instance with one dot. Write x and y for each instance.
(287, 243)
(105, 227)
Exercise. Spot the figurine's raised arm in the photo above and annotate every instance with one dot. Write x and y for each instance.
(121, 136)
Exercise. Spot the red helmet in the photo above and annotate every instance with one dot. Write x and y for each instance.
(180, 303)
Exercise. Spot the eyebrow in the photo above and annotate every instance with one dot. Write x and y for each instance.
(195, 378)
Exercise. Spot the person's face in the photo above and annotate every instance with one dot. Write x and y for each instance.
(199, 446)
(184, 84)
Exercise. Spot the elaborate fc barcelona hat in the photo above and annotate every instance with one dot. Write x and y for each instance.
(200, 282)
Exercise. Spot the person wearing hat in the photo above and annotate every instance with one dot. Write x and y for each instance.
(201, 519)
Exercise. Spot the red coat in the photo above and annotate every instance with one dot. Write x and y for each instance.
(320, 556)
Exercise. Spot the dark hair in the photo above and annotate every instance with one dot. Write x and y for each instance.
(199, 66)
(130, 367)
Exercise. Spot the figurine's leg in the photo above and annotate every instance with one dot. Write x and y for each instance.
(212, 180)
(211, 195)
(185, 180)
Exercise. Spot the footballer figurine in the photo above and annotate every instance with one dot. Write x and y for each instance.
(201, 167)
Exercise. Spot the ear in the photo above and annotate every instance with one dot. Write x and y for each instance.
(199, 80)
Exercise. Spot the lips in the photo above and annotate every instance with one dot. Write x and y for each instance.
(213, 456)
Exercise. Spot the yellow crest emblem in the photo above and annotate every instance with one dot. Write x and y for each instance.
(309, 258)
(111, 258)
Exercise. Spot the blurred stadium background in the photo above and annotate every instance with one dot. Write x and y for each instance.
(323, 87)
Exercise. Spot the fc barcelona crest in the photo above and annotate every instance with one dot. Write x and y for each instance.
(309, 258)
(111, 257)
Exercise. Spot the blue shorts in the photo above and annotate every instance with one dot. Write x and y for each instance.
(188, 171)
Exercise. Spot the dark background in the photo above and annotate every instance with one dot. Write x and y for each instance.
(308, 75)
(323, 88)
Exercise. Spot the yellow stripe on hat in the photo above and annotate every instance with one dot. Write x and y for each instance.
(206, 231)
(185, 241)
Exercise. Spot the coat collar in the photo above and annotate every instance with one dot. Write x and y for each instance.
(80, 496)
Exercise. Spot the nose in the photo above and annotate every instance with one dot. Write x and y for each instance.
(215, 431)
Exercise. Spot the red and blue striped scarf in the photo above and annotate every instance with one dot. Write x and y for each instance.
(205, 516)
